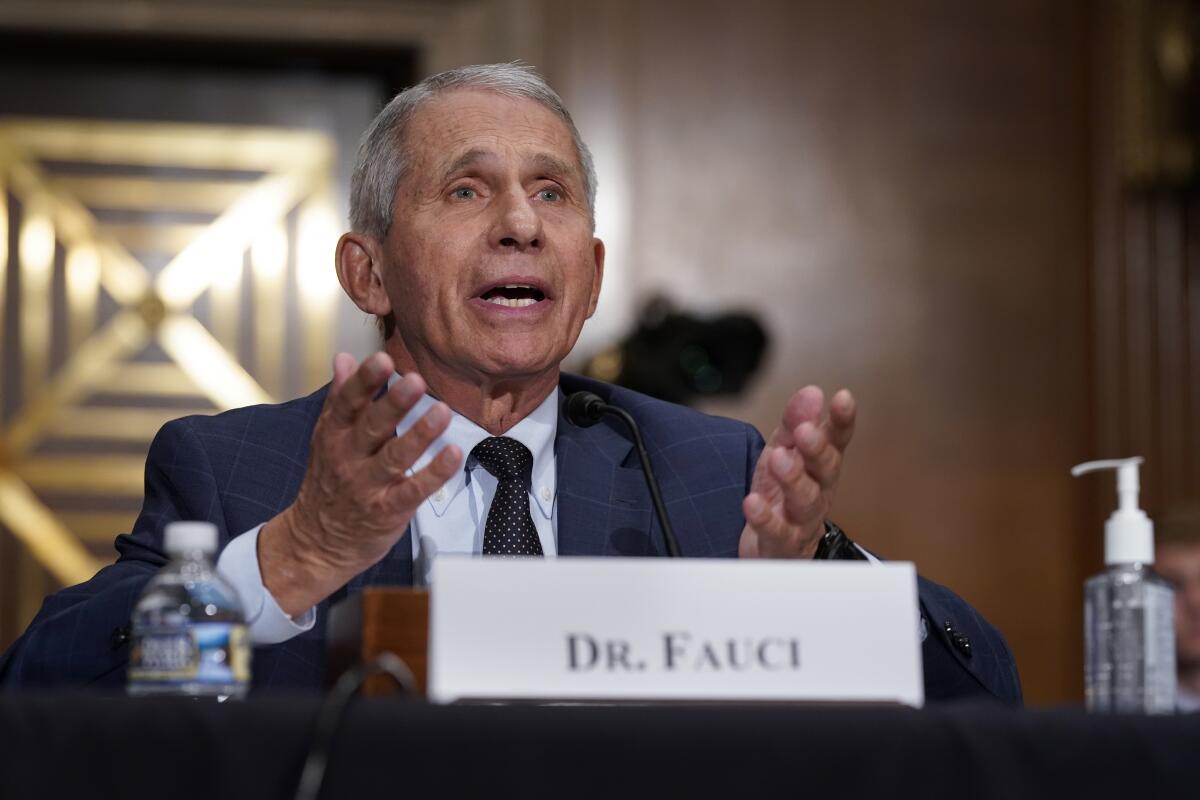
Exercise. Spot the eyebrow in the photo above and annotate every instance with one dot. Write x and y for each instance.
(553, 165)
(543, 161)
(467, 159)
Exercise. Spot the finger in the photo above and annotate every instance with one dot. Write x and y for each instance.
(801, 493)
(772, 531)
(764, 483)
(822, 460)
(345, 402)
(843, 411)
(376, 425)
(399, 454)
(343, 366)
(803, 406)
(412, 492)
(761, 516)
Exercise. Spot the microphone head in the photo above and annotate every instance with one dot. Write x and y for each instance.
(583, 409)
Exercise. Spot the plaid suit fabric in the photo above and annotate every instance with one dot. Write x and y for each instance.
(240, 468)
(949, 675)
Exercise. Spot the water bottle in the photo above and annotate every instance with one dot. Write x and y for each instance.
(188, 629)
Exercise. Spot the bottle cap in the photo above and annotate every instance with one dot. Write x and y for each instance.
(1128, 533)
(180, 537)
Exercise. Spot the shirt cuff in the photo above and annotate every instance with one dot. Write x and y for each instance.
(867, 553)
(267, 622)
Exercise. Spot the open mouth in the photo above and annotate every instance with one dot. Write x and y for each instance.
(513, 295)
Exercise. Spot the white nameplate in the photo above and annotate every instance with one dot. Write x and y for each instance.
(673, 629)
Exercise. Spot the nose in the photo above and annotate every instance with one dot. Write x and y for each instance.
(517, 225)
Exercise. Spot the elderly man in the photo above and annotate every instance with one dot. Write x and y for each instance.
(472, 242)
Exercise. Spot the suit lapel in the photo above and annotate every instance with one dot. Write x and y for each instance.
(603, 506)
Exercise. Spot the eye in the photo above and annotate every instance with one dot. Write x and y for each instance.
(463, 193)
(550, 195)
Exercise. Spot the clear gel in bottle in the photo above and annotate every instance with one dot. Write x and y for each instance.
(1129, 611)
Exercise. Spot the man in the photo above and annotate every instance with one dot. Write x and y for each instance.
(1177, 558)
(472, 242)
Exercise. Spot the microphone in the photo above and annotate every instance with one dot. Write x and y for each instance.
(585, 409)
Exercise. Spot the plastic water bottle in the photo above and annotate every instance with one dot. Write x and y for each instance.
(189, 631)
(1129, 623)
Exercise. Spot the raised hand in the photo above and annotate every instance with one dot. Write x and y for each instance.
(796, 477)
(356, 499)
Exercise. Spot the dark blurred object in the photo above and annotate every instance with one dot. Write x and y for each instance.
(675, 356)
(1159, 91)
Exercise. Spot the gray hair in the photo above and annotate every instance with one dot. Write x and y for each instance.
(382, 159)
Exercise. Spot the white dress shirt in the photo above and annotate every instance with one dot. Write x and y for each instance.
(451, 520)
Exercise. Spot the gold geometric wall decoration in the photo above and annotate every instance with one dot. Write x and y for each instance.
(157, 270)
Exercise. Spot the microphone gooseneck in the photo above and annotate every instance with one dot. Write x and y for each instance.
(585, 409)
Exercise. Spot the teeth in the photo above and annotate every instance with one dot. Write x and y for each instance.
(521, 302)
(517, 286)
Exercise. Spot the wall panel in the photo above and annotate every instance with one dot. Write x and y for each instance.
(901, 190)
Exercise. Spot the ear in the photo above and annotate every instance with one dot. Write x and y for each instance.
(360, 271)
(598, 255)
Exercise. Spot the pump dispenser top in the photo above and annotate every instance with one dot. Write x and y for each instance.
(1128, 533)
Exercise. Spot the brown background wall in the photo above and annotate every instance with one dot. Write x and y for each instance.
(902, 191)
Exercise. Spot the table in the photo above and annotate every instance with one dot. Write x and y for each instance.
(83, 746)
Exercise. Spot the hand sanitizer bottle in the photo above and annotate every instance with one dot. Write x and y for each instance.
(1129, 611)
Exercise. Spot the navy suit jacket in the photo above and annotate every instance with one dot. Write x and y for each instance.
(241, 468)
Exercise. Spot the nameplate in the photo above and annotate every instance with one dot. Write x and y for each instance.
(611, 629)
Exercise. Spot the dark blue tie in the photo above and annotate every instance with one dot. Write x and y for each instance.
(509, 530)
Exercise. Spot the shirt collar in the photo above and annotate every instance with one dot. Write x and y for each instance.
(536, 431)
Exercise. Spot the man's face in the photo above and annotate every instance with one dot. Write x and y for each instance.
(1179, 562)
(490, 265)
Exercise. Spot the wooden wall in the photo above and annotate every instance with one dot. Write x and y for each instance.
(1146, 286)
(902, 191)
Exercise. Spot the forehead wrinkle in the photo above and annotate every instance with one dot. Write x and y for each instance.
(443, 126)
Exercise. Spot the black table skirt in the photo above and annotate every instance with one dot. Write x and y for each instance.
(85, 746)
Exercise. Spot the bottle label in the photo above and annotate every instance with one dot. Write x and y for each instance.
(216, 653)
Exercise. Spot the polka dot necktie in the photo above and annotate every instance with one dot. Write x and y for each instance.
(509, 529)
